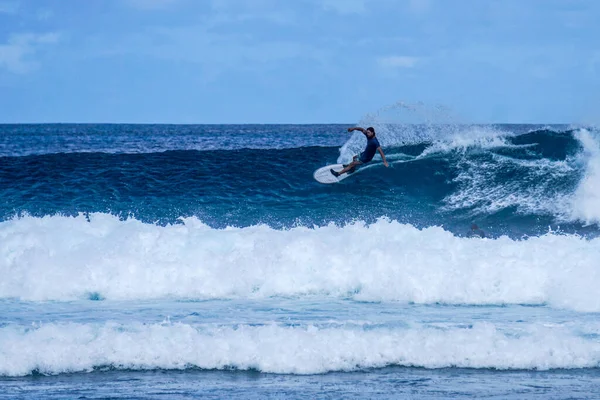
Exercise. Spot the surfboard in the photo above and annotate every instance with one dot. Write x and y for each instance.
(324, 175)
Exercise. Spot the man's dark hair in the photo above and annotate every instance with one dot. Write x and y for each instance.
(371, 129)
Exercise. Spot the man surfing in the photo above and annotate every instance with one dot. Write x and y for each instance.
(367, 155)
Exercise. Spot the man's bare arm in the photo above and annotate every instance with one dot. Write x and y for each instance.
(383, 157)
(358, 128)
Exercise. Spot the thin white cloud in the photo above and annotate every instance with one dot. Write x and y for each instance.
(419, 6)
(398, 61)
(196, 44)
(44, 14)
(17, 54)
(345, 6)
(594, 63)
(215, 53)
(9, 7)
(151, 4)
(243, 5)
(272, 11)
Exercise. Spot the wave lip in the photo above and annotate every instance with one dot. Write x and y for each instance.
(585, 204)
(64, 258)
(65, 348)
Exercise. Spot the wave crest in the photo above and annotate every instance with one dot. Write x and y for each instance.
(61, 258)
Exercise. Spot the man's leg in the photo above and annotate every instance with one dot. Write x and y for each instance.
(347, 168)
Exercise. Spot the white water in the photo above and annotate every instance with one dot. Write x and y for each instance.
(69, 347)
(64, 258)
(586, 200)
(536, 193)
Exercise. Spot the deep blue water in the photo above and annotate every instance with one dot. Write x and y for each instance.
(165, 260)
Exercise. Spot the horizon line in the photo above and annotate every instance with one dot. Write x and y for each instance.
(288, 123)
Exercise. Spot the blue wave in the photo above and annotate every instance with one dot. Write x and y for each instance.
(509, 184)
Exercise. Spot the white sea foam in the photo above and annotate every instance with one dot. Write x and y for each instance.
(411, 123)
(481, 137)
(64, 258)
(534, 192)
(443, 138)
(585, 204)
(68, 347)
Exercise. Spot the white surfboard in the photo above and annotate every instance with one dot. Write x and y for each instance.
(324, 174)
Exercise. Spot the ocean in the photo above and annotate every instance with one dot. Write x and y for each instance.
(178, 261)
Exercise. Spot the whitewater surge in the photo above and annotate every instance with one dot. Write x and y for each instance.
(442, 137)
(69, 347)
(65, 258)
(586, 199)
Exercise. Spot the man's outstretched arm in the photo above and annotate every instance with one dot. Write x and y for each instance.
(383, 157)
(358, 128)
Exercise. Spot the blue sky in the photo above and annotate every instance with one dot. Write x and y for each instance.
(297, 61)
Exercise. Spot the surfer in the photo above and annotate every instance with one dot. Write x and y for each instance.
(367, 155)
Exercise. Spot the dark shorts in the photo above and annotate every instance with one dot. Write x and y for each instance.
(357, 160)
(360, 160)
